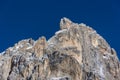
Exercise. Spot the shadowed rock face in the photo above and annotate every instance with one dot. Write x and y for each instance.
(76, 52)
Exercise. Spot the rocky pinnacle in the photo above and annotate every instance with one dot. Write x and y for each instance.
(75, 52)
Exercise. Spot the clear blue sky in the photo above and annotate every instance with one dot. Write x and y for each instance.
(21, 19)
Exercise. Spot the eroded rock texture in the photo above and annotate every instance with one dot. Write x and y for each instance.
(76, 52)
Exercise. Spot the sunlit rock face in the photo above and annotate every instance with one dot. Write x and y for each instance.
(75, 52)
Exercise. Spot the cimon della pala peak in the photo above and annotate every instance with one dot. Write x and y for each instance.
(75, 52)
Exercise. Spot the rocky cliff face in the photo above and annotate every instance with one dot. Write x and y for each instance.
(75, 52)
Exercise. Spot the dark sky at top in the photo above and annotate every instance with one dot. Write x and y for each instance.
(21, 19)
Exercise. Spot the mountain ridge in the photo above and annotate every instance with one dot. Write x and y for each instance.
(75, 52)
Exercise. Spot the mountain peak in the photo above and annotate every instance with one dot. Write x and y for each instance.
(75, 52)
(65, 23)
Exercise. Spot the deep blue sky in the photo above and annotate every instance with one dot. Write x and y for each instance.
(21, 19)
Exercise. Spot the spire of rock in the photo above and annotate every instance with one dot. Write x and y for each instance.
(76, 52)
(65, 23)
(39, 47)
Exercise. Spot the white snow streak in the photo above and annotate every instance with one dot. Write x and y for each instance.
(60, 31)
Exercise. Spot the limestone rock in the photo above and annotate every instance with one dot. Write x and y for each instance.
(76, 52)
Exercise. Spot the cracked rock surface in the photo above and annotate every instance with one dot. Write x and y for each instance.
(75, 52)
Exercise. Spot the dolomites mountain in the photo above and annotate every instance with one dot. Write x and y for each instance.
(75, 52)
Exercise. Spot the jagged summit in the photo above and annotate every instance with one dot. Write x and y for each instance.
(75, 52)
(65, 23)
